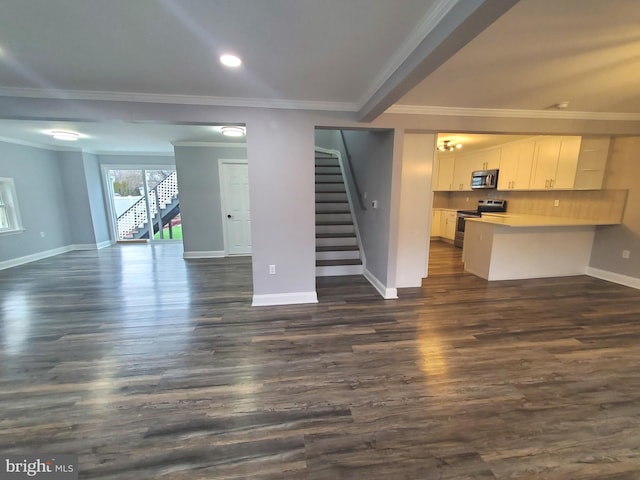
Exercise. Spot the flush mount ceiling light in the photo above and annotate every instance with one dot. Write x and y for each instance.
(447, 146)
(229, 60)
(233, 131)
(65, 135)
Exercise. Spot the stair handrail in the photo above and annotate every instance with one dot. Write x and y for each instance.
(352, 172)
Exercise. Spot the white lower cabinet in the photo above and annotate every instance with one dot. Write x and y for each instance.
(435, 222)
(448, 224)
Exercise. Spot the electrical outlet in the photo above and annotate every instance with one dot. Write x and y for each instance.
(556, 203)
(626, 253)
(272, 269)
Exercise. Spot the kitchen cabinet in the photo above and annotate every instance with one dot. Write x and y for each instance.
(555, 163)
(592, 162)
(448, 224)
(464, 165)
(435, 222)
(487, 159)
(443, 177)
(516, 162)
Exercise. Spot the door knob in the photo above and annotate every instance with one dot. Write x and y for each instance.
(229, 216)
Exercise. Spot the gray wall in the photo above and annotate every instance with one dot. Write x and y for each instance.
(133, 160)
(78, 208)
(41, 199)
(609, 242)
(200, 202)
(280, 146)
(97, 199)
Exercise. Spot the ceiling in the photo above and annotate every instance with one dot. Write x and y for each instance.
(331, 55)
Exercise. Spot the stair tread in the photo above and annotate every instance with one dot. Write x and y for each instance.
(337, 248)
(330, 263)
(335, 235)
(334, 222)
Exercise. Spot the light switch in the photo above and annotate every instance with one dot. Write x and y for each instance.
(374, 204)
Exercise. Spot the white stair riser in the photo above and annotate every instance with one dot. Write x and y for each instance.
(339, 270)
(338, 255)
(333, 207)
(334, 229)
(333, 217)
(336, 242)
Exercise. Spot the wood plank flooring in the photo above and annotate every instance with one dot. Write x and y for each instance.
(152, 367)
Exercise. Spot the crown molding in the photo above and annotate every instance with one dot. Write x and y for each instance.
(510, 113)
(178, 99)
(209, 144)
(42, 146)
(132, 153)
(429, 21)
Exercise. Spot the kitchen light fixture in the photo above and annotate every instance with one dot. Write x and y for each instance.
(229, 60)
(65, 135)
(447, 146)
(233, 131)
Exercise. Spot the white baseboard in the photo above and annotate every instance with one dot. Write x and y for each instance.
(284, 299)
(618, 278)
(387, 293)
(105, 244)
(14, 262)
(204, 254)
(91, 246)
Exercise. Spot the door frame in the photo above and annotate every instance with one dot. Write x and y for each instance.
(221, 182)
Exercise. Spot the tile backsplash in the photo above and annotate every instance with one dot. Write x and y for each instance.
(601, 205)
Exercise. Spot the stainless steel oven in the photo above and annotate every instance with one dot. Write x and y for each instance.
(488, 205)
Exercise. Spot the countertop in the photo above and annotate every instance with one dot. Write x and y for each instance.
(518, 220)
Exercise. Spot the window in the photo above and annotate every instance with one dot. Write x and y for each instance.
(9, 212)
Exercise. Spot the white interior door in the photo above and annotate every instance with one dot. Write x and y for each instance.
(234, 188)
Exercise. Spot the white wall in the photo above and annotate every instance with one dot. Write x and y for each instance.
(415, 209)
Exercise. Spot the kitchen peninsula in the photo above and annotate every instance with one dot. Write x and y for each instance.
(509, 247)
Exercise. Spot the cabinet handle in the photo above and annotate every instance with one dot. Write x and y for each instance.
(551, 183)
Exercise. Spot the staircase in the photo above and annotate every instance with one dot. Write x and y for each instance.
(337, 248)
(163, 199)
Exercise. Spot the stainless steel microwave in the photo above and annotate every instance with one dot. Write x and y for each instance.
(484, 179)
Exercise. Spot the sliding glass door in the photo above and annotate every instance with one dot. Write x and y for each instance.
(145, 203)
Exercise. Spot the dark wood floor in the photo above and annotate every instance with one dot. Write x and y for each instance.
(152, 367)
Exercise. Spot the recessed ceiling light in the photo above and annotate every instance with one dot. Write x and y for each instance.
(233, 131)
(230, 60)
(65, 135)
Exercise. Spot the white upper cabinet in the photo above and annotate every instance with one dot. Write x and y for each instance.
(516, 162)
(569, 163)
(540, 163)
(592, 162)
(443, 174)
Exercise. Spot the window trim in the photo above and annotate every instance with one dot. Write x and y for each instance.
(10, 206)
